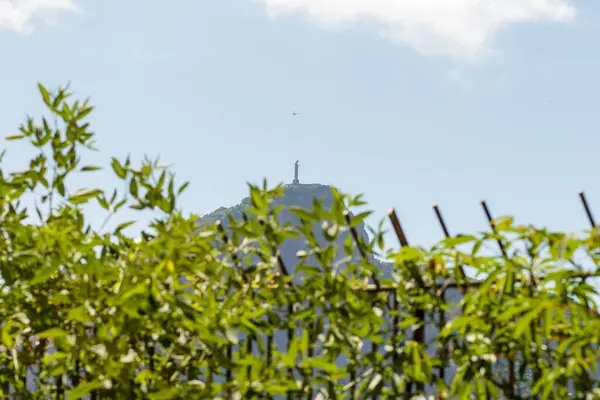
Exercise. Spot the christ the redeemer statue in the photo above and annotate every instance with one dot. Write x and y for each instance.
(296, 181)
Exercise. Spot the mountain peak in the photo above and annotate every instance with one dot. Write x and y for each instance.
(295, 195)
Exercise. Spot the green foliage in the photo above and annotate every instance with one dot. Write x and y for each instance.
(182, 312)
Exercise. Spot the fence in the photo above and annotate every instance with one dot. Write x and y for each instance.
(441, 288)
(253, 345)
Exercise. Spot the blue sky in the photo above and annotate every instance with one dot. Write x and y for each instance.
(409, 102)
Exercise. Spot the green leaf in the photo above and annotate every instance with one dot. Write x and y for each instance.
(60, 185)
(232, 336)
(128, 358)
(304, 342)
(100, 350)
(133, 188)
(103, 203)
(138, 206)
(357, 219)
(124, 225)
(171, 188)
(43, 274)
(144, 376)
(319, 363)
(89, 168)
(183, 187)
(458, 240)
(52, 333)
(165, 394)
(83, 389)
(374, 382)
(292, 354)
(58, 356)
(416, 360)
(7, 338)
(141, 288)
(303, 214)
(256, 198)
(14, 137)
(118, 168)
(84, 112)
(62, 95)
(503, 222)
(84, 195)
(120, 204)
(161, 181)
(45, 95)
(79, 314)
(301, 254)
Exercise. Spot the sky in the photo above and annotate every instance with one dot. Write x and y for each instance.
(411, 102)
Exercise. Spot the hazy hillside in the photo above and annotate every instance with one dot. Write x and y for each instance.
(300, 195)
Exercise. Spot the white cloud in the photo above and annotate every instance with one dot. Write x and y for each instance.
(17, 15)
(449, 27)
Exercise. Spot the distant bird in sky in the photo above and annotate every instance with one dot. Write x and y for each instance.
(295, 113)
